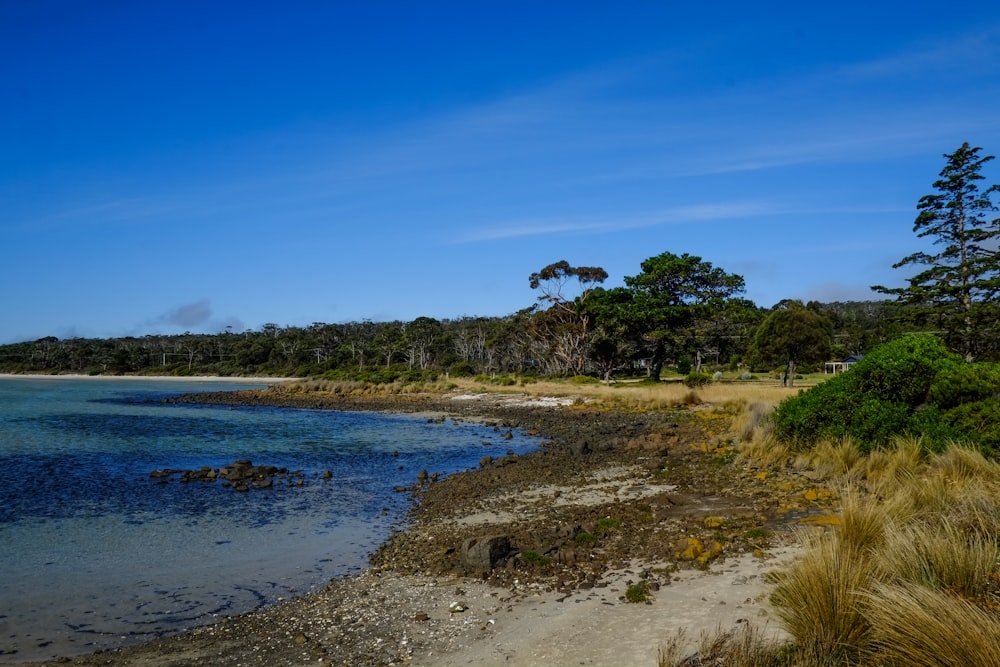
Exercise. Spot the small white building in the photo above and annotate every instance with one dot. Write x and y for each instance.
(834, 367)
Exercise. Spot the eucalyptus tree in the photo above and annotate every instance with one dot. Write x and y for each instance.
(672, 298)
(959, 285)
(560, 331)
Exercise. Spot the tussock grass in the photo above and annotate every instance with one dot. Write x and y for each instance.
(909, 576)
(753, 421)
(765, 451)
(940, 557)
(841, 461)
(916, 625)
(863, 523)
(747, 647)
(962, 462)
(886, 469)
(818, 598)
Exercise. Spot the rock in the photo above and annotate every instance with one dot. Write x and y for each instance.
(421, 617)
(485, 461)
(481, 554)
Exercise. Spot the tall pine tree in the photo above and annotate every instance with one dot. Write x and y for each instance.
(957, 291)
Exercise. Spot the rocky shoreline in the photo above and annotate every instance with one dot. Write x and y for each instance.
(615, 508)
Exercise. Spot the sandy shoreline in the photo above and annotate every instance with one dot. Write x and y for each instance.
(416, 606)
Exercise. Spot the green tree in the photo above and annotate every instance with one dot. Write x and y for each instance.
(792, 334)
(671, 297)
(958, 289)
(613, 330)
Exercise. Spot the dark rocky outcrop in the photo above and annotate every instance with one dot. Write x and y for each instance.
(482, 554)
(241, 475)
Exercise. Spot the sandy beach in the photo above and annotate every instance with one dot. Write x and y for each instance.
(613, 504)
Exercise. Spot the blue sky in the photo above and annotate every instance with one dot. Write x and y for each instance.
(174, 166)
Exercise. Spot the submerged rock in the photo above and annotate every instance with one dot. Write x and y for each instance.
(240, 475)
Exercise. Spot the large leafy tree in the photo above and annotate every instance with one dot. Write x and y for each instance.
(958, 287)
(792, 334)
(672, 296)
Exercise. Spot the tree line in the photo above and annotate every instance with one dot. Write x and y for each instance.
(601, 334)
(678, 312)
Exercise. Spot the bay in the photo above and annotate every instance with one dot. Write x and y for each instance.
(94, 553)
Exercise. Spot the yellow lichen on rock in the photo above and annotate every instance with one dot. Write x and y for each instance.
(689, 548)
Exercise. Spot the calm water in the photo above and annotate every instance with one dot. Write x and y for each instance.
(94, 553)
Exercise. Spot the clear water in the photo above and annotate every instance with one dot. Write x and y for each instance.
(94, 553)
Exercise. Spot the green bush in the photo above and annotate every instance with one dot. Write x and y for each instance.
(979, 418)
(584, 379)
(462, 369)
(967, 383)
(884, 395)
(697, 379)
(638, 593)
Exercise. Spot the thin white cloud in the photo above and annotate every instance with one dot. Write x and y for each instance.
(578, 225)
(959, 55)
(124, 210)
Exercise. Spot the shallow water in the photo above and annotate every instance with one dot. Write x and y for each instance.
(94, 553)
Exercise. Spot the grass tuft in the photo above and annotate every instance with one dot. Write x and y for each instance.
(817, 599)
(914, 625)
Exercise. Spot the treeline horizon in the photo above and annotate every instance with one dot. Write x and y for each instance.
(519, 344)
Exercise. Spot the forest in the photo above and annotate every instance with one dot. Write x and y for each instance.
(594, 332)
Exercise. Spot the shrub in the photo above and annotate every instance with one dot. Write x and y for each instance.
(683, 366)
(637, 593)
(462, 369)
(965, 383)
(536, 559)
(697, 379)
(879, 398)
(584, 379)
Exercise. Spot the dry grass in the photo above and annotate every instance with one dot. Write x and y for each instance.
(747, 647)
(636, 396)
(641, 395)
(818, 598)
(916, 625)
(960, 462)
(764, 451)
(940, 557)
(910, 571)
(838, 461)
(886, 469)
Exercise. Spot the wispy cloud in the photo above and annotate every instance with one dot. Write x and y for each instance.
(580, 225)
(116, 211)
(958, 56)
